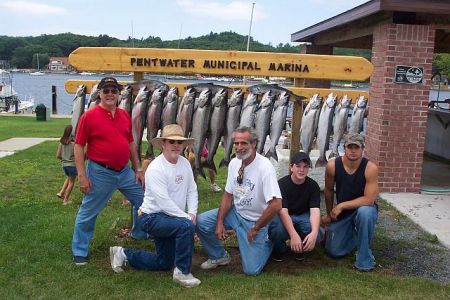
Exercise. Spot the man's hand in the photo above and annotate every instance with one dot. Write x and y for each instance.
(220, 232)
(296, 243)
(252, 233)
(326, 220)
(85, 184)
(193, 218)
(335, 212)
(309, 242)
(139, 177)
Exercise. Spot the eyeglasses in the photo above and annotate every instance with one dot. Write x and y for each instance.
(240, 177)
(173, 142)
(112, 91)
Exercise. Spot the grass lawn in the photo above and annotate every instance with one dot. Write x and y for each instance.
(36, 231)
(27, 126)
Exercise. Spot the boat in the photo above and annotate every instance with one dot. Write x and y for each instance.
(9, 100)
(38, 72)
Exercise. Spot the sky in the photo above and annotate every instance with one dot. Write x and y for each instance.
(273, 20)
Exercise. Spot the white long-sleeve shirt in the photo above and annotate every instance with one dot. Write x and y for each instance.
(170, 188)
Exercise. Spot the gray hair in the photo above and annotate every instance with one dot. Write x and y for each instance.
(250, 130)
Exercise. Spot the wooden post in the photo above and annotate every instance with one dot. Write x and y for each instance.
(297, 114)
(138, 76)
(54, 108)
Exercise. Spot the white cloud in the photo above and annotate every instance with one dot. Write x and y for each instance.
(232, 11)
(34, 8)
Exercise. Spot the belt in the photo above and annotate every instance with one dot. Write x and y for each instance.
(107, 167)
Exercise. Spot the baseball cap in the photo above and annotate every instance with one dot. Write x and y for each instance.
(354, 139)
(109, 81)
(301, 156)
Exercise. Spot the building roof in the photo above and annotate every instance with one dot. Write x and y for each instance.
(64, 60)
(354, 28)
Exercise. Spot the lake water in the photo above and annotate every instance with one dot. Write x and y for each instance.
(39, 88)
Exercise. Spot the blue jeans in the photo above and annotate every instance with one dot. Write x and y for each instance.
(355, 230)
(278, 234)
(174, 241)
(254, 255)
(103, 184)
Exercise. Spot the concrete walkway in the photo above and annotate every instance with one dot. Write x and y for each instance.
(431, 212)
(12, 145)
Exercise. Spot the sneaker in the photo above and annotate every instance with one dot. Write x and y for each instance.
(186, 280)
(117, 258)
(214, 263)
(363, 270)
(276, 256)
(299, 256)
(80, 260)
(215, 187)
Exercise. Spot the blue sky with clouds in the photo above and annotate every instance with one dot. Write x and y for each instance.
(273, 21)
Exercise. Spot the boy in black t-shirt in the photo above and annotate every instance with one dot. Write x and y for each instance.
(299, 219)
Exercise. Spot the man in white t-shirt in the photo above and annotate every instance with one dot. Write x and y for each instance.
(169, 191)
(251, 199)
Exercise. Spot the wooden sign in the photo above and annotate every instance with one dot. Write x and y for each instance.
(240, 63)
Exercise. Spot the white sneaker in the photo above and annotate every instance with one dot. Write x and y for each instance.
(186, 280)
(214, 263)
(215, 187)
(118, 259)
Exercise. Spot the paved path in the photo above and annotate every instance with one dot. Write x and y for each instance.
(431, 212)
(8, 147)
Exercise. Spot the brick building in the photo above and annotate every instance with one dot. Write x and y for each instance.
(400, 33)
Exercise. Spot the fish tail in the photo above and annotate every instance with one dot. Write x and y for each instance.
(210, 165)
(199, 171)
(321, 162)
(272, 153)
(224, 163)
(333, 154)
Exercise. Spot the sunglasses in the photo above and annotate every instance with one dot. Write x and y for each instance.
(173, 142)
(112, 91)
(240, 177)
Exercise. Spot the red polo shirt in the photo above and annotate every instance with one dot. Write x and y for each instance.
(108, 138)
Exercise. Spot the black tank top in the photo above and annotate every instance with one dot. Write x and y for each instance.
(349, 187)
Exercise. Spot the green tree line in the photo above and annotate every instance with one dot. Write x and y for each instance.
(23, 52)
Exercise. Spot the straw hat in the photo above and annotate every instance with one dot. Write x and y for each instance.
(172, 132)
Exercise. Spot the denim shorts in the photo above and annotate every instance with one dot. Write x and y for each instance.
(70, 171)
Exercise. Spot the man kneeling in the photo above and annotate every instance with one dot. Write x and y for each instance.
(251, 199)
(299, 219)
(170, 188)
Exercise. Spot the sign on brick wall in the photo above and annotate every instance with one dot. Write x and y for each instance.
(408, 75)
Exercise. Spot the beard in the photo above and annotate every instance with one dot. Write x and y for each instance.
(245, 155)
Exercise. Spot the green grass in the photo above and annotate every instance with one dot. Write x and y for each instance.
(36, 262)
(27, 126)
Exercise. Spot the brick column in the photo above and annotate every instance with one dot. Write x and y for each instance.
(398, 112)
(324, 50)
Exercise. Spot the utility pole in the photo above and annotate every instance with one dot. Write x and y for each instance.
(179, 36)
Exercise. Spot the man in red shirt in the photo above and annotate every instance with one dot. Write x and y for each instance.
(106, 130)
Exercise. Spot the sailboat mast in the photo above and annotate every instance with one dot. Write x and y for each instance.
(244, 78)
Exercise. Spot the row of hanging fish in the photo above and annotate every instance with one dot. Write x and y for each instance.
(320, 121)
(212, 112)
(206, 112)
